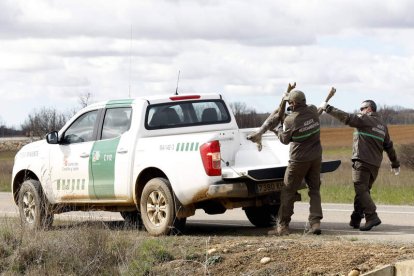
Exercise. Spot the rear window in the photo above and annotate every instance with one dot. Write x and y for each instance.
(186, 113)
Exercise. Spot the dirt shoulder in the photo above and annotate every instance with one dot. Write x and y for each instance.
(115, 248)
(293, 255)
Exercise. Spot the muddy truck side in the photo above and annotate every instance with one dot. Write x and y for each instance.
(153, 159)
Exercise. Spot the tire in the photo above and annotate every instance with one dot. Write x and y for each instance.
(158, 208)
(34, 208)
(132, 218)
(263, 216)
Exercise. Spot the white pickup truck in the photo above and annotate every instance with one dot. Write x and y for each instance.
(153, 159)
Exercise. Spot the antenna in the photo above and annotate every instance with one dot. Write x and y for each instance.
(178, 79)
(130, 63)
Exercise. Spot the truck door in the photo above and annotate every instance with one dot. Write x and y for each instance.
(110, 162)
(69, 160)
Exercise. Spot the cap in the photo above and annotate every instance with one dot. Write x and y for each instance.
(297, 96)
(368, 103)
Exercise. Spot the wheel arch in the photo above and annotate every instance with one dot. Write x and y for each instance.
(18, 180)
(145, 176)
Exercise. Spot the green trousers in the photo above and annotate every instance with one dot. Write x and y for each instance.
(296, 172)
(363, 176)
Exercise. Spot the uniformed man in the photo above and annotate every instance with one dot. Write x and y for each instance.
(371, 138)
(302, 130)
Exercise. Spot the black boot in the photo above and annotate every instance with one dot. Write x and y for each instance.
(369, 224)
(356, 220)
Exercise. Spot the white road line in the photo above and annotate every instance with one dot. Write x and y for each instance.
(379, 211)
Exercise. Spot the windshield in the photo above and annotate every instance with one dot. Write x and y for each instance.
(186, 113)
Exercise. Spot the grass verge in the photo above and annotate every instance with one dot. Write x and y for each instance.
(95, 248)
(80, 250)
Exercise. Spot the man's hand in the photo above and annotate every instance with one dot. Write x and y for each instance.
(286, 94)
(256, 137)
(323, 106)
(396, 171)
(279, 129)
(291, 87)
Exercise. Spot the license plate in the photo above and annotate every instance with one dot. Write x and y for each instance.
(269, 187)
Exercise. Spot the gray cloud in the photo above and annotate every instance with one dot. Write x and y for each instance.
(52, 51)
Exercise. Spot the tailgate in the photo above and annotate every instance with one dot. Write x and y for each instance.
(279, 172)
(247, 158)
(266, 165)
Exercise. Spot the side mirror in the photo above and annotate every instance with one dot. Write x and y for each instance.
(52, 137)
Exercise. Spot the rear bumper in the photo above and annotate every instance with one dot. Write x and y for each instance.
(228, 190)
(248, 186)
(245, 189)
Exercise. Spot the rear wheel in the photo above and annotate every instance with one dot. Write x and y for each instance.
(263, 216)
(33, 206)
(158, 208)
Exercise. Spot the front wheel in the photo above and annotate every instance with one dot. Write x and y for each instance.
(263, 216)
(158, 208)
(33, 206)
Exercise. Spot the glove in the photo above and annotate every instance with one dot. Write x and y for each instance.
(279, 129)
(396, 171)
(323, 106)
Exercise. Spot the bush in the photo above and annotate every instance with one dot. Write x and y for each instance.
(406, 155)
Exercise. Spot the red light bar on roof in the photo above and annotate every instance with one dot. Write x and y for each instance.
(187, 97)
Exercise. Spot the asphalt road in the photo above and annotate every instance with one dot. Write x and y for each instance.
(397, 221)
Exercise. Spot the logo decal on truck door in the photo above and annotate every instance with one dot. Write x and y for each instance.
(102, 177)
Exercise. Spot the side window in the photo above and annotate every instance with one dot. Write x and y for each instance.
(81, 129)
(116, 122)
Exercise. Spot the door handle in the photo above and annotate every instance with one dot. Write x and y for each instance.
(122, 151)
(84, 155)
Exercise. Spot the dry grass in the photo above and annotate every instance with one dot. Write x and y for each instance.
(79, 249)
(342, 137)
(108, 249)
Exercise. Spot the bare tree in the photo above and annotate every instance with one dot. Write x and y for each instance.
(42, 121)
(246, 117)
(2, 126)
(85, 99)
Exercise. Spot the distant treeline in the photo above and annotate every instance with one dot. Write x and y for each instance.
(39, 122)
(10, 132)
(392, 115)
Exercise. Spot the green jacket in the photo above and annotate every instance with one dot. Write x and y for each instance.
(302, 130)
(371, 137)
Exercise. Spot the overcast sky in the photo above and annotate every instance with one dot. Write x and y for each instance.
(51, 52)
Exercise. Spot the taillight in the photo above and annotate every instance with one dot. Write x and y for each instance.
(210, 154)
(185, 97)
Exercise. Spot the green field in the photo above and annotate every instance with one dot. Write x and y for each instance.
(336, 187)
(6, 167)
